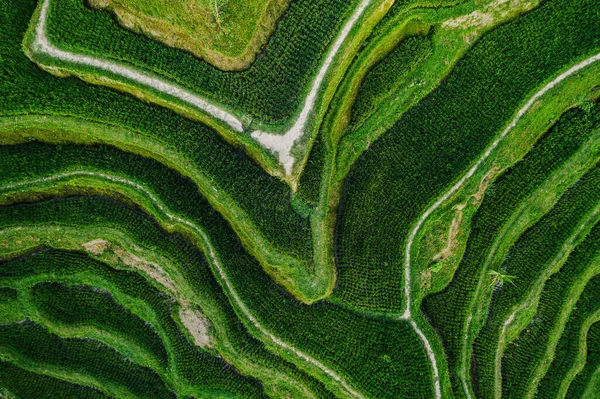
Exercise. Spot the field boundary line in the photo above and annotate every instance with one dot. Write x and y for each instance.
(407, 277)
(209, 252)
(281, 144)
(558, 260)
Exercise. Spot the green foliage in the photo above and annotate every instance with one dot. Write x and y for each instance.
(578, 387)
(568, 348)
(325, 331)
(435, 142)
(88, 306)
(309, 186)
(26, 384)
(198, 368)
(230, 235)
(389, 75)
(270, 90)
(529, 259)
(7, 294)
(447, 308)
(32, 343)
(29, 90)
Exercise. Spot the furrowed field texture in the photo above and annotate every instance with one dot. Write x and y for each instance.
(300, 199)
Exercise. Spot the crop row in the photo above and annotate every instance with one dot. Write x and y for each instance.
(378, 357)
(197, 368)
(100, 214)
(203, 154)
(448, 309)
(525, 354)
(438, 139)
(568, 347)
(32, 343)
(389, 75)
(532, 256)
(88, 306)
(586, 382)
(271, 89)
(178, 193)
(26, 384)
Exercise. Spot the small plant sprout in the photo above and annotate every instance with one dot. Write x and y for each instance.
(499, 278)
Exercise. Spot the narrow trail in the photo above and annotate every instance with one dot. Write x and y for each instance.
(407, 277)
(280, 144)
(211, 253)
(559, 258)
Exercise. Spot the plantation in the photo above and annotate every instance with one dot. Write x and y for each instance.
(226, 34)
(300, 199)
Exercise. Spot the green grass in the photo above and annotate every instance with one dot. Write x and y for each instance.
(150, 250)
(426, 150)
(305, 326)
(525, 354)
(447, 308)
(26, 384)
(226, 34)
(570, 348)
(585, 383)
(200, 287)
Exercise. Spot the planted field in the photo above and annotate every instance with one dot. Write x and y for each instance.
(299, 199)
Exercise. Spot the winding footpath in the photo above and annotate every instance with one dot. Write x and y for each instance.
(280, 144)
(211, 254)
(407, 269)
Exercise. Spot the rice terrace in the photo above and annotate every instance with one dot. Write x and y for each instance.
(290, 199)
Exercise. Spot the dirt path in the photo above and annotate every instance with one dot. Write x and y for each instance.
(453, 189)
(283, 144)
(532, 298)
(280, 144)
(213, 258)
(42, 45)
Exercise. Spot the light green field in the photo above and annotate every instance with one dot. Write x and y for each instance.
(226, 33)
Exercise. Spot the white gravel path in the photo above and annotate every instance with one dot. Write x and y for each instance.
(42, 45)
(453, 189)
(212, 255)
(283, 144)
(279, 144)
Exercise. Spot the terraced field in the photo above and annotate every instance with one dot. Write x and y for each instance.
(300, 199)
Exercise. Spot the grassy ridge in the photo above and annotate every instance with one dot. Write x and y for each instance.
(98, 215)
(84, 305)
(244, 192)
(178, 192)
(388, 75)
(196, 369)
(524, 355)
(435, 141)
(568, 348)
(87, 358)
(548, 235)
(581, 383)
(324, 331)
(270, 90)
(447, 308)
(227, 35)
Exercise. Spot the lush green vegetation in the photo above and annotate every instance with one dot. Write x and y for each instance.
(307, 199)
(388, 75)
(447, 308)
(225, 33)
(584, 384)
(25, 384)
(569, 348)
(427, 150)
(270, 90)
